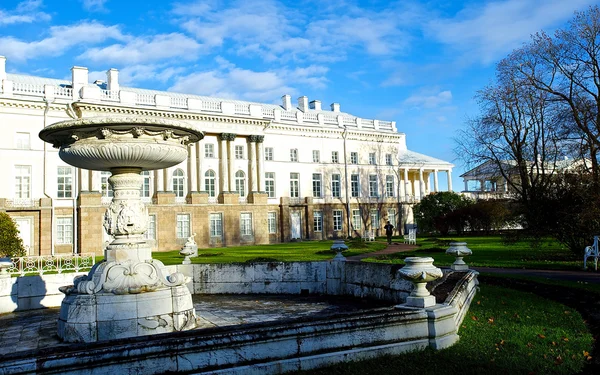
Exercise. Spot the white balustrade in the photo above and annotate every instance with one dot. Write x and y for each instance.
(311, 117)
(145, 99)
(109, 95)
(178, 102)
(286, 115)
(211, 106)
(28, 88)
(266, 112)
(48, 263)
(242, 109)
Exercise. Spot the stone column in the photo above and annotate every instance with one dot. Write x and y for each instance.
(159, 184)
(402, 187)
(435, 180)
(466, 184)
(84, 179)
(252, 165)
(192, 164)
(224, 164)
(231, 158)
(421, 183)
(449, 180)
(261, 162)
(406, 182)
(199, 159)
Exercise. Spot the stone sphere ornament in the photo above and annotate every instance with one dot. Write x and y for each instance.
(459, 250)
(420, 271)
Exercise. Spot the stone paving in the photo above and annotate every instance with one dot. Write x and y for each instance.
(36, 329)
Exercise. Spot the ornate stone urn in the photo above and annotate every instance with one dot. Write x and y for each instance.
(339, 246)
(420, 271)
(459, 250)
(5, 264)
(129, 293)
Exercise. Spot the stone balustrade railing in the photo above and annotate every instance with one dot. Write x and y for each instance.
(49, 263)
(94, 93)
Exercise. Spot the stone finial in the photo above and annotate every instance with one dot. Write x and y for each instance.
(303, 103)
(335, 107)
(315, 104)
(286, 102)
(112, 79)
(339, 246)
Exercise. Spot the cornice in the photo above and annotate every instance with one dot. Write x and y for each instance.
(28, 104)
(358, 135)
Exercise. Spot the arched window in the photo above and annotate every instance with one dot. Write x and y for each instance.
(178, 183)
(240, 183)
(209, 182)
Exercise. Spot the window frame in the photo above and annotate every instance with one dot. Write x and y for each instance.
(356, 219)
(294, 154)
(353, 157)
(210, 183)
(372, 158)
(355, 185)
(336, 185)
(338, 220)
(316, 156)
(272, 222)
(215, 224)
(150, 233)
(66, 192)
(64, 231)
(209, 150)
(373, 186)
(318, 221)
(335, 157)
(295, 185)
(269, 152)
(389, 186)
(182, 230)
(270, 184)
(246, 224)
(178, 183)
(240, 183)
(317, 185)
(238, 152)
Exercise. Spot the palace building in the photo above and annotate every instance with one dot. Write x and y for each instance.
(264, 173)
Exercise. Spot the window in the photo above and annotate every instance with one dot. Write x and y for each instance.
(269, 153)
(316, 156)
(389, 186)
(374, 219)
(216, 224)
(178, 183)
(388, 159)
(64, 230)
(22, 141)
(373, 185)
(246, 224)
(151, 228)
(107, 190)
(294, 185)
(316, 183)
(22, 181)
(146, 193)
(335, 157)
(270, 184)
(65, 182)
(240, 183)
(183, 225)
(356, 221)
(337, 220)
(318, 221)
(209, 183)
(272, 222)
(354, 185)
(391, 216)
(209, 150)
(293, 154)
(239, 152)
(354, 158)
(372, 159)
(335, 185)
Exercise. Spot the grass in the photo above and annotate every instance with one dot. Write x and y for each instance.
(490, 251)
(284, 252)
(504, 332)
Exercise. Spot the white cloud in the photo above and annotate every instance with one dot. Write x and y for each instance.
(429, 99)
(60, 39)
(25, 12)
(94, 5)
(146, 49)
(485, 33)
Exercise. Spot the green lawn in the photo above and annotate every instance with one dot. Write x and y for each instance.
(504, 332)
(490, 251)
(285, 252)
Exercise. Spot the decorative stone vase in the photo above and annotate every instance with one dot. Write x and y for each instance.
(459, 250)
(5, 264)
(189, 249)
(420, 271)
(129, 293)
(339, 246)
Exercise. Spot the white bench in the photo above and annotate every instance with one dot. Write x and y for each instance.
(411, 237)
(591, 252)
(369, 235)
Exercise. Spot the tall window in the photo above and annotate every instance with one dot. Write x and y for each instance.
(151, 227)
(293, 154)
(107, 190)
(294, 185)
(216, 224)
(335, 157)
(317, 185)
(374, 219)
(22, 181)
(272, 222)
(318, 221)
(316, 156)
(391, 216)
(22, 141)
(146, 193)
(354, 185)
(269, 153)
(337, 220)
(372, 159)
(336, 185)
(183, 225)
(64, 230)
(270, 184)
(239, 151)
(240, 183)
(389, 186)
(388, 159)
(246, 224)
(209, 150)
(64, 177)
(373, 188)
(354, 158)
(356, 220)
(209, 183)
(178, 183)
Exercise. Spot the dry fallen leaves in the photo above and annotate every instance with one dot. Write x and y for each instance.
(541, 336)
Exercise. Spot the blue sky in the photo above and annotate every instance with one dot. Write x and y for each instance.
(418, 63)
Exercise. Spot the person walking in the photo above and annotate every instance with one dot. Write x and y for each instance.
(389, 230)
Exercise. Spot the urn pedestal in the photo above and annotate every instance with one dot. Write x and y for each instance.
(420, 271)
(459, 250)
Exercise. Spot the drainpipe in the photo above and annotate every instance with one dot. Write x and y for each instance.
(45, 178)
